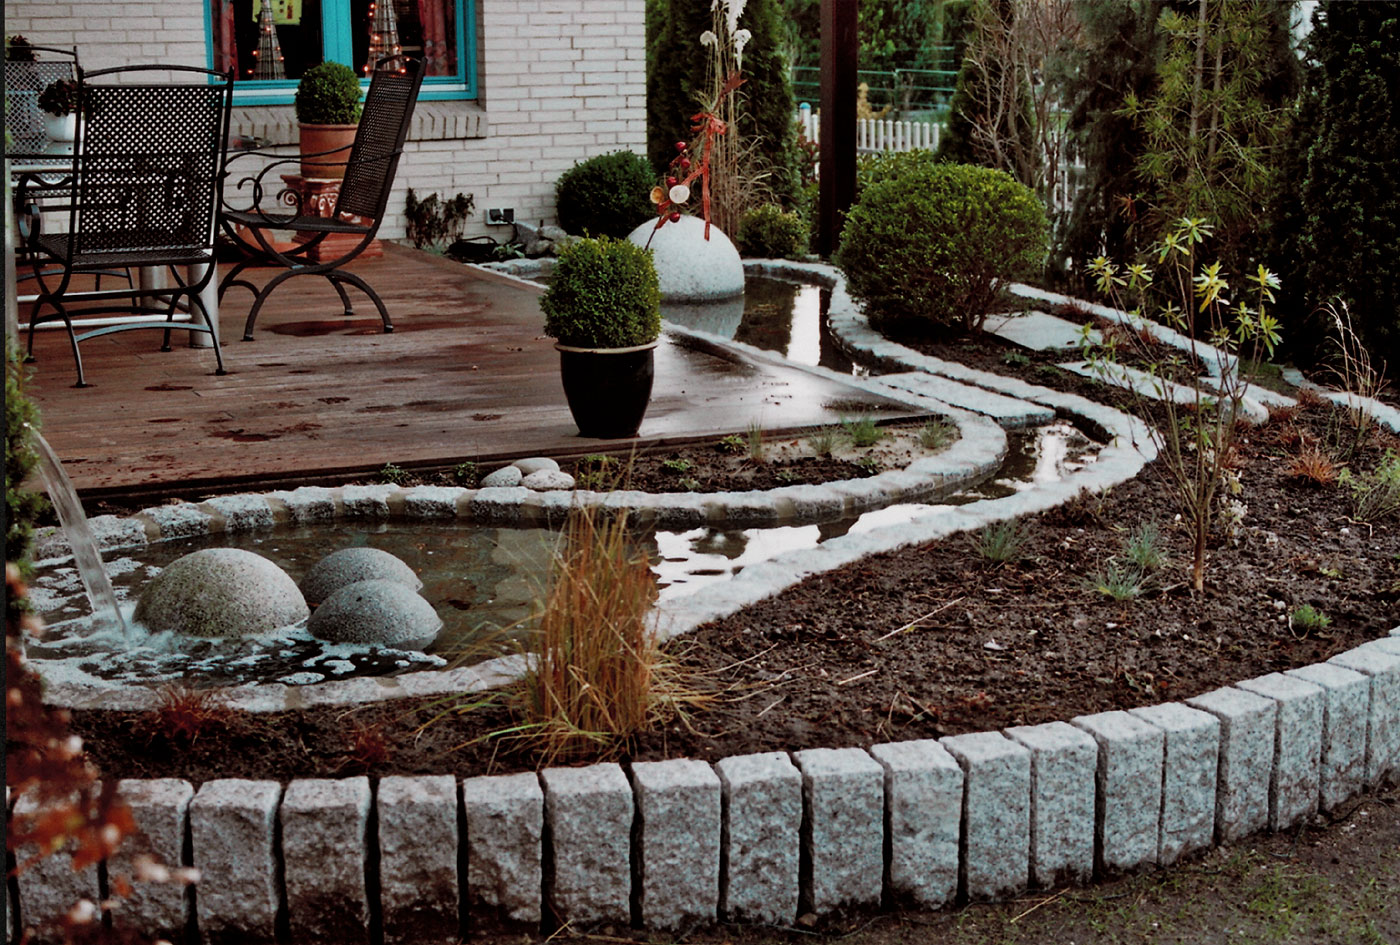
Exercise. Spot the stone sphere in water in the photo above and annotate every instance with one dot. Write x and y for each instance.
(378, 611)
(351, 565)
(689, 267)
(221, 592)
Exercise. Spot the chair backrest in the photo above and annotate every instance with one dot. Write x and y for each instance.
(24, 80)
(150, 158)
(384, 122)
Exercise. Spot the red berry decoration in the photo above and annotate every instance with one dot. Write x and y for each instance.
(675, 216)
(672, 181)
(680, 145)
(685, 164)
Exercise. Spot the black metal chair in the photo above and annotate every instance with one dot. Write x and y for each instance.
(143, 190)
(359, 207)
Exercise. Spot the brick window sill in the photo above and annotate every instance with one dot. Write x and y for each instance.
(276, 125)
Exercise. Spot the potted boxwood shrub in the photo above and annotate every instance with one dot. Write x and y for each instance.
(604, 309)
(59, 101)
(328, 111)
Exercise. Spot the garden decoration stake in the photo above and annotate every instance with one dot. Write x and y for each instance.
(706, 126)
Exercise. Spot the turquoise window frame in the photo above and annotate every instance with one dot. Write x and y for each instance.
(337, 43)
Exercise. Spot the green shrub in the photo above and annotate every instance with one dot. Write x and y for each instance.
(604, 295)
(328, 94)
(939, 241)
(607, 195)
(770, 232)
(873, 168)
(22, 507)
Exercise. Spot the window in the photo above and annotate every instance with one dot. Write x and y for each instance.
(270, 48)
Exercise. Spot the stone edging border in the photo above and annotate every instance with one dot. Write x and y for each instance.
(755, 838)
(766, 837)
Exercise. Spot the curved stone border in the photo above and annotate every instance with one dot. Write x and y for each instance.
(755, 838)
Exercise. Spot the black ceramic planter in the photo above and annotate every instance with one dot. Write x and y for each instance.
(608, 389)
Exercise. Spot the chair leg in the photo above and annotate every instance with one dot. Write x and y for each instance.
(262, 297)
(230, 279)
(72, 341)
(208, 327)
(363, 286)
(344, 299)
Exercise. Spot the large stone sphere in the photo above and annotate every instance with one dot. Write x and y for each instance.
(221, 592)
(351, 565)
(380, 611)
(690, 268)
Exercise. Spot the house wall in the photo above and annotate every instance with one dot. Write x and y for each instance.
(559, 81)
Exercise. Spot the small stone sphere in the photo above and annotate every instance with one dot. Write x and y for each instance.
(220, 592)
(690, 268)
(384, 612)
(349, 565)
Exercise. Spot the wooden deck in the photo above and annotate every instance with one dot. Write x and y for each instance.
(319, 398)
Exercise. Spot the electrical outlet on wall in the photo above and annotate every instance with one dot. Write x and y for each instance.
(500, 217)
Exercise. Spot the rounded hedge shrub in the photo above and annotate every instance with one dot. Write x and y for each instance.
(604, 295)
(607, 195)
(771, 232)
(328, 94)
(938, 241)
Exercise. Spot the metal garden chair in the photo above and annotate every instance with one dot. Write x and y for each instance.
(143, 191)
(359, 207)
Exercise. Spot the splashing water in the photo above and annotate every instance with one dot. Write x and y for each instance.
(86, 557)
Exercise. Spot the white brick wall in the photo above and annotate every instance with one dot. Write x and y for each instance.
(559, 81)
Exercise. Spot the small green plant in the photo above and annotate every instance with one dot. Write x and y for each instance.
(678, 465)
(862, 431)
(23, 506)
(936, 434)
(868, 465)
(1143, 547)
(733, 443)
(787, 476)
(758, 450)
(604, 295)
(939, 241)
(595, 471)
(1001, 542)
(689, 484)
(605, 195)
(328, 94)
(393, 475)
(1016, 358)
(1117, 582)
(434, 222)
(466, 474)
(823, 442)
(1308, 619)
(1374, 495)
(504, 251)
(769, 231)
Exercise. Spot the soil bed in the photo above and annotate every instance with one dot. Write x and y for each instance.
(921, 643)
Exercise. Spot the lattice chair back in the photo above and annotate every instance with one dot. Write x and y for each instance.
(384, 122)
(151, 160)
(24, 81)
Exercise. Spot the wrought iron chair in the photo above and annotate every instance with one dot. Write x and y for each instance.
(358, 210)
(143, 190)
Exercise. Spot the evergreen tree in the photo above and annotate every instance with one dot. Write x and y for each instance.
(1349, 243)
(677, 89)
(1118, 59)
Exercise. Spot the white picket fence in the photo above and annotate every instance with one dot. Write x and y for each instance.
(877, 135)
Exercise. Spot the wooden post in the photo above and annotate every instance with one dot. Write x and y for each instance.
(838, 120)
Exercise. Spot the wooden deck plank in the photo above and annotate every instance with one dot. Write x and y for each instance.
(466, 375)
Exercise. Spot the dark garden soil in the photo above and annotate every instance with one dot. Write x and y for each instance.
(919, 643)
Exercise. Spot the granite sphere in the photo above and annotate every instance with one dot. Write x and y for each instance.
(350, 565)
(221, 592)
(379, 611)
(690, 268)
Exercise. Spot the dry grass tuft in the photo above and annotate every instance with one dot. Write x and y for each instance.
(1314, 467)
(185, 713)
(598, 675)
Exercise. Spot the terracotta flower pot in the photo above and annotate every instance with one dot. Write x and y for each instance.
(316, 139)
